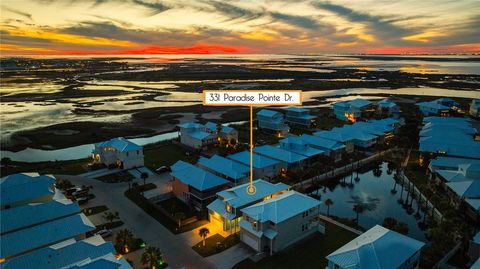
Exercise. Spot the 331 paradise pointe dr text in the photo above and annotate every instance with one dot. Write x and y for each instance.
(252, 97)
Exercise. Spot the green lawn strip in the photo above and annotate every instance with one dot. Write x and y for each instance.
(215, 244)
(123, 176)
(135, 196)
(310, 253)
(73, 167)
(166, 154)
(94, 210)
(174, 206)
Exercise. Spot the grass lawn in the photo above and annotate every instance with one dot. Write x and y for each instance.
(94, 210)
(308, 254)
(135, 196)
(174, 205)
(212, 247)
(73, 167)
(123, 176)
(164, 155)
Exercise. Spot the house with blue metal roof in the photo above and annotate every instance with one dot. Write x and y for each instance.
(439, 107)
(353, 110)
(263, 167)
(296, 145)
(68, 254)
(276, 223)
(196, 135)
(386, 107)
(377, 248)
(449, 136)
(195, 186)
(228, 135)
(287, 158)
(299, 117)
(225, 211)
(23, 188)
(332, 148)
(272, 121)
(120, 152)
(234, 172)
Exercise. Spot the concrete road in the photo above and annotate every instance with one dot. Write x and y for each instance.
(176, 250)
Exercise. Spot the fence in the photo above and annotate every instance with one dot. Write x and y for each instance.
(341, 170)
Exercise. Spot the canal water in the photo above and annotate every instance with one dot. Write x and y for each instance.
(372, 190)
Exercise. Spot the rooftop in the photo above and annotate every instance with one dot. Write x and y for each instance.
(23, 187)
(377, 248)
(279, 154)
(321, 142)
(199, 134)
(466, 189)
(120, 144)
(62, 254)
(359, 102)
(191, 125)
(268, 113)
(281, 207)
(259, 161)
(32, 214)
(44, 234)
(225, 166)
(238, 196)
(192, 175)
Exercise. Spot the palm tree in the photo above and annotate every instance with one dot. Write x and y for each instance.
(203, 234)
(144, 177)
(152, 256)
(328, 203)
(123, 240)
(111, 216)
(358, 208)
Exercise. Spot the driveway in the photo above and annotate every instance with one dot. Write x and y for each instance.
(176, 250)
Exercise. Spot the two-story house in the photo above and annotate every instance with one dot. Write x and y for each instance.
(299, 117)
(288, 159)
(225, 211)
(474, 110)
(272, 121)
(274, 224)
(196, 135)
(120, 152)
(332, 148)
(343, 111)
(296, 145)
(234, 172)
(388, 108)
(263, 167)
(194, 186)
(228, 135)
(377, 248)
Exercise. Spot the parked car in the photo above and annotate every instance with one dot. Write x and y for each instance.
(72, 190)
(104, 233)
(80, 193)
(82, 200)
(164, 168)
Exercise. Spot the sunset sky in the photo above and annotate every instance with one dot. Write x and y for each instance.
(49, 27)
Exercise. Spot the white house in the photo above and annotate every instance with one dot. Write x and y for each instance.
(377, 248)
(388, 108)
(276, 223)
(120, 152)
(228, 134)
(225, 210)
(196, 135)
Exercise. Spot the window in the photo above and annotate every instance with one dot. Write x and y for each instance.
(138, 152)
(127, 154)
(303, 227)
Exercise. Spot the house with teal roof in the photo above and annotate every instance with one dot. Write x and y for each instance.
(299, 117)
(263, 167)
(288, 159)
(377, 248)
(234, 172)
(273, 122)
(120, 152)
(196, 135)
(195, 186)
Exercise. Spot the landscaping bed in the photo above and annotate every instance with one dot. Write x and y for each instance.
(123, 176)
(215, 244)
(310, 253)
(94, 210)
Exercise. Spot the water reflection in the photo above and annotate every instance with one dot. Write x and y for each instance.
(373, 191)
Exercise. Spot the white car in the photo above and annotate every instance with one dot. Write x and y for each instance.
(104, 233)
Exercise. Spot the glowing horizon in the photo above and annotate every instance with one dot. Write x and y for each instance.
(141, 27)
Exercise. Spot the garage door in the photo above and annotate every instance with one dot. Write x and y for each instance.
(250, 240)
